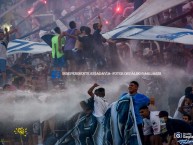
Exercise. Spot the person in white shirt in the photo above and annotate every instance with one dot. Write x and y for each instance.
(152, 126)
(178, 114)
(4, 40)
(100, 108)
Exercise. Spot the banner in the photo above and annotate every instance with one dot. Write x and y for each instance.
(148, 9)
(120, 124)
(24, 46)
(157, 33)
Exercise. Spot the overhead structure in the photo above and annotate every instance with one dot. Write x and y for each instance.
(12, 8)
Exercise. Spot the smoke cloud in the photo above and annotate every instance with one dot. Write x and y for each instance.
(30, 106)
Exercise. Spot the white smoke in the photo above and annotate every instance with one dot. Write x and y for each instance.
(30, 106)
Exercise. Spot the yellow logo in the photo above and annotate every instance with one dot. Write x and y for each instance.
(21, 131)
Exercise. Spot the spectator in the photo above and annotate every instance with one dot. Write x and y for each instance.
(139, 100)
(100, 108)
(152, 106)
(98, 44)
(59, 61)
(174, 126)
(78, 45)
(79, 50)
(19, 83)
(187, 105)
(84, 132)
(4, 39)
(57, 54)
(70, 34)
(188, 119)
(152, 126)
(177, 114)
(87, 44)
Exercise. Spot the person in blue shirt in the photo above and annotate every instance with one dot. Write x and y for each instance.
(139, 100)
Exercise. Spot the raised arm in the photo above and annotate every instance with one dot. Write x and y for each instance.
(7, 34)
(100, 23)
(90, 91)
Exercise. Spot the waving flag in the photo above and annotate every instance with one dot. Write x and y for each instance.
(148, 9)
(24, 46)
(157, 33)
(120, 126)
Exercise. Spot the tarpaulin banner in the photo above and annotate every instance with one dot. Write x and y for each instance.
(120, 124)
(148, 9)
(157, 33)
(24, 46)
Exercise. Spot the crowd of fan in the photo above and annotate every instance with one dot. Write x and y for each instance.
(6, 4)
(155, 127)
(79, 50)
(27, 22)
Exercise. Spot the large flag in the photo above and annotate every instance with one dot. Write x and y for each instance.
(24, 46)
(148, 9)
(120, 126)
(157, 33)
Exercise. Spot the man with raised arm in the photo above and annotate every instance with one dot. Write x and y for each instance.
(100, 108)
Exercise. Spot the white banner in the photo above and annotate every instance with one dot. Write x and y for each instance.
(23, 46)
(148, 9)
(157, 33)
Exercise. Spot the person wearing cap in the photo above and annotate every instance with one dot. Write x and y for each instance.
(4, 39)
(175, 128)
(178, 114)
(152, 126)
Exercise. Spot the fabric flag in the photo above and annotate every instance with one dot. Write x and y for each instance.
(120, 124)
(47, 37)
(157, 33)
(24, 46)
(148, 9)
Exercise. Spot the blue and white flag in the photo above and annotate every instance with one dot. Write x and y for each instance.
(24, 46)
(157, 33)
(120, 126)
